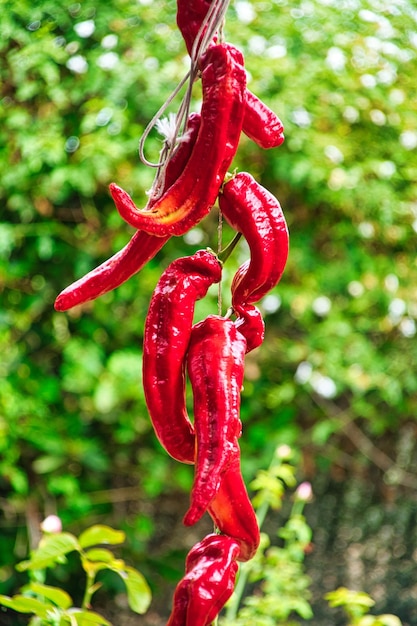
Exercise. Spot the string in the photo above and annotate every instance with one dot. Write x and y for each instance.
(211, 24)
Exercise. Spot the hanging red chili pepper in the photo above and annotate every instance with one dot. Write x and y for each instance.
(190, 17)
(256, 213)
(193, 194)
(261, 124)
(232, 511)
(208, 582)
(141, 248)
(112, 273)
(166, 338)
(215, 365)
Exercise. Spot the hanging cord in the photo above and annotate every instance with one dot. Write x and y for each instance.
(174, 128)
(219, 247)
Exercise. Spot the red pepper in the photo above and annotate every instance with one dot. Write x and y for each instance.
(166, 338)
(215, 366)
(141, 248)
(113, 272)
(251, 325)
(190, 16)
(208, 582)
(193, 194)
(232, 511)
(256, 213)
(261, 124)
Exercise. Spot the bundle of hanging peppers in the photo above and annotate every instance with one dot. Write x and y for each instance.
(212, 352)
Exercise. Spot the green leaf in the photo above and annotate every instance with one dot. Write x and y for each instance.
(94, 565)
(349, 598)
(389, 620)
(51, 549)
(57, 596)
(138, 592)
(22, 604)
(99, 554)
(101, 534)
(87, 618)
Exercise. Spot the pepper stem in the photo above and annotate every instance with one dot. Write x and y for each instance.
(227, 251)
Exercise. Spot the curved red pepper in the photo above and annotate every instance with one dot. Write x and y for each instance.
(232, 511)
(193, 194)
(141, 248)
(215, 366)
(208, 582)
(166, 338)
(251, 325)
(112, 273)
(261, 124)
(256, 213)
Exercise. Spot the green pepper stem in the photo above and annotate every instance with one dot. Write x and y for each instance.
(224, 254)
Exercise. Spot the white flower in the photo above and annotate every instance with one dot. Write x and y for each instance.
(51, 524)
(283, 452)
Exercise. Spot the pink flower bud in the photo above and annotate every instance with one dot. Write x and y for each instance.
(51, 524)
(304, 492)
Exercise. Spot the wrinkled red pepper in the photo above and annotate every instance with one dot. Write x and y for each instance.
(260, 123)
(190, 17)
(193, 194)
(208, 582)
(215, 366)
(251, 325)
(256, 213)
(166, 339)
(232, 511)
(141, 248)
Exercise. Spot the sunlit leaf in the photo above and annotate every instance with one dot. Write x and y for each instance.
(51, 549)
(100, 534)
(138, 592)
(57, 596)
(23, 604)
(88, 618)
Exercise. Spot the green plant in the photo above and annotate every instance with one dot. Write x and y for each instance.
(356, 605)
(53, 606)
(277, 571)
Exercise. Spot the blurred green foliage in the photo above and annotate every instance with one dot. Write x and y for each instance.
(52, 606)
(78, 84)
